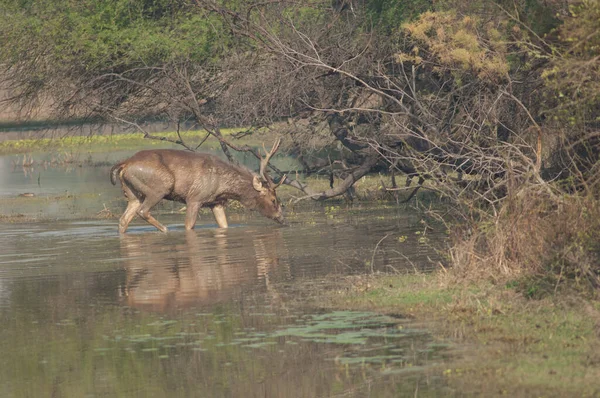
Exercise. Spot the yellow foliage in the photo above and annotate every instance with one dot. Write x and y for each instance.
(467, 21)
(463, 44)
(459, 55)
(403, 57)
(466, 40)
(494, 34)
(441, 34)
(420, 30)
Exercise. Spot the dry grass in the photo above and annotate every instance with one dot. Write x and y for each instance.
(533, 235)
(106, 214)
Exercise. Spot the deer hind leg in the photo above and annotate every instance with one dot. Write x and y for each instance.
(144, 212)
(133, 205)
(128, 215)
(219, 213)
(151, 196)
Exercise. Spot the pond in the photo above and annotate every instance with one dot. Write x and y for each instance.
(209, 312)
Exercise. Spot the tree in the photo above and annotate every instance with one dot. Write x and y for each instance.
(441, 94)
(115, 59)
(491, 104)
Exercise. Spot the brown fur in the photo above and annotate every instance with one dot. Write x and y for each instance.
(196, 179)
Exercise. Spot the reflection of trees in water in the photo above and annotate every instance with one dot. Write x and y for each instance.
(206, 268)
(163, 272)
(350, 243)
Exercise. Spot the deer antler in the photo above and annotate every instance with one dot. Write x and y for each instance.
(281, 181)
(264, 162)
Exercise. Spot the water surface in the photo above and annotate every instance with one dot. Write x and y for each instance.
(211, 312)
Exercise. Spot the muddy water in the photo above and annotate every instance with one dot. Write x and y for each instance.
(209, 313)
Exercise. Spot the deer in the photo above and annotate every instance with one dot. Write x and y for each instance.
(199, 180)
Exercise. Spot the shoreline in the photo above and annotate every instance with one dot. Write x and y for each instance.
(510, 344)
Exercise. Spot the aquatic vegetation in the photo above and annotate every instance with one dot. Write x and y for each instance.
(348, 327)
(378, 338)
(542, 346)
(99, 143)
(126, 347)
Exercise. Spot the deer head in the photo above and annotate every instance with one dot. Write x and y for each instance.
(268, 204)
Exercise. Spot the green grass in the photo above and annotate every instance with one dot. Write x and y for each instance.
(99, 143)
(515, 345)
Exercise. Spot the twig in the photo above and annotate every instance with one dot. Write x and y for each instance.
(375, 251)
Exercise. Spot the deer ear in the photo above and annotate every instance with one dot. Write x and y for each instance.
(257, 184)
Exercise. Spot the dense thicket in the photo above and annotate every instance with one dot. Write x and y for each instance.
(493, 104)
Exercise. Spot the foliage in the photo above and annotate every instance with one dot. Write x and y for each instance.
(463, 44)
(82, 58)
(548, 240)
(110, 34)
(388, 16)
(574, 71)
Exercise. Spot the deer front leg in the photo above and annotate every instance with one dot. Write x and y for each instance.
(191, 214)
(219, 213)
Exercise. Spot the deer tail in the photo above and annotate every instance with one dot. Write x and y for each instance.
(114, 172)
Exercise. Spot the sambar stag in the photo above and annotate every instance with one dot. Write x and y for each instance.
(196, 179)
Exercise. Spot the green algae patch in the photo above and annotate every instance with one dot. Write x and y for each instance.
(342, 327)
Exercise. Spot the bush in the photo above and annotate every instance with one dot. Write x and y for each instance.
(536, 234)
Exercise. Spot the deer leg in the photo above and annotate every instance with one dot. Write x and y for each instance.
(153, 221)
(133, 204)
(219, 213)
(132, 208)
(144, 212)
(191, 215)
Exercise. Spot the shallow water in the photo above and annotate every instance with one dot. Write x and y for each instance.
(209, 312)
(66, 186)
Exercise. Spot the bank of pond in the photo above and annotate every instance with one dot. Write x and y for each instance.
(349, 298)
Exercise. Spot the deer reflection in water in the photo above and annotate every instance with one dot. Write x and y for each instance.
(205, 268)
